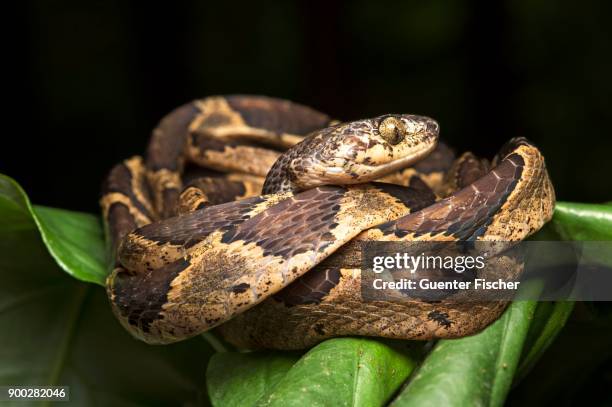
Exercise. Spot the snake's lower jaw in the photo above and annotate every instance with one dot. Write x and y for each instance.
(376, 172)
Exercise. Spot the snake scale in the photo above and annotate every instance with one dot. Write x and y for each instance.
(247, 212)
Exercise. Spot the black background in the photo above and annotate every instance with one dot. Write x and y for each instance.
(95, 77)
(91, 79)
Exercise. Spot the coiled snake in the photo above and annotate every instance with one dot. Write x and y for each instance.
(196, 244)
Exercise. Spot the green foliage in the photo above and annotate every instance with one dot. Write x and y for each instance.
(547, 322)
(579, 221)
(346, 371)
(343, 371)
(58, 330)
(476, 370)
(75, 240)
(241, 379)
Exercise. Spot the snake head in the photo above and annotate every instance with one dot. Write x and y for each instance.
(361, 151)
(395, 141)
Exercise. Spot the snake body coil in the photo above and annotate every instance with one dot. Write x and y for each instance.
(290, 249)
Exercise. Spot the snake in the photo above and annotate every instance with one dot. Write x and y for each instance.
(247, 213)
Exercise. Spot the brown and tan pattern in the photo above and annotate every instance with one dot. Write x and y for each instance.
(509, 203)
(260, 119)
(207, 191)
(267, 120)
(230, 155)
(294, 253)
(231, 271)
(355, 152)
(126, 201)
(280, 324)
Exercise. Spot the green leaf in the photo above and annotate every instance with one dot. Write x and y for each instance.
(480, 369)
(75, 240)
(476, 370)
(69, 319)
(340, 372)
(550, 316)
(554, 381)
(14, 211)
(55, 330)
(241, 379)
(549, 319)
(586, 222)
(581, 221)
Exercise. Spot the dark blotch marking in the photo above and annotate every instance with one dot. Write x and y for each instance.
(441, 318)
(440, 160)
(319, 329)
(170, 198)
(140, 297)
(191, 228)
(218, 190)
(120, 180)
(471, 168)
(285, 229)
(193, 171)
(277, 115)
(205, 143)
(240, 288)
(120, 223)
(169, 138)
(311, 288)
(474, 206)
(510, 146)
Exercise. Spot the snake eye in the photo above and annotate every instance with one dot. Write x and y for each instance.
(392, 130)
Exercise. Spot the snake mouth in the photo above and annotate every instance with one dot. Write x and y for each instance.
(357, 173)
(378, 171)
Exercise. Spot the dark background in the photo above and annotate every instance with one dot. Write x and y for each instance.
(91, 79)
(94, 77)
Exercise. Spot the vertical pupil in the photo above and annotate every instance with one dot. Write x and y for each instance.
(396, 132)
